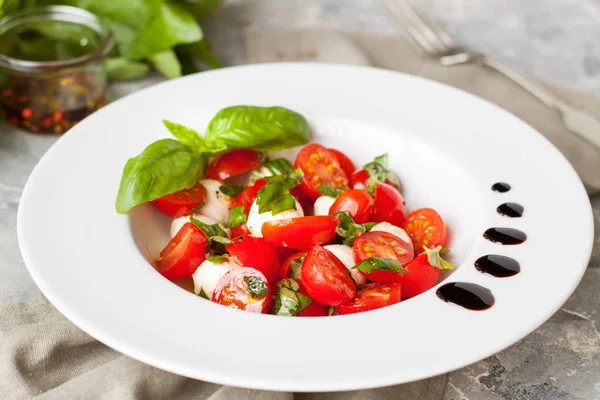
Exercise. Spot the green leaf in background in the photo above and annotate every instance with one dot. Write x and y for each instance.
(260, 128)
(203, 52)
(167, 63)
(199, 8)
(122, 69)
(166, 166)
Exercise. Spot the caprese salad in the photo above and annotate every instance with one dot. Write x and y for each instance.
(314, 237)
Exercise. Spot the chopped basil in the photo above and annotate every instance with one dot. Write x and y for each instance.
(327, 190)
(330, 311)
(379, 264)
(236, 217)
(378, 172)
(216, 259)
(216, 235)
(296, 266)
(279, 166)
(435, 260)
(348, 230)
(275, 195)
(256, 287)
(231, 190)
(203, 294)
(288, 301)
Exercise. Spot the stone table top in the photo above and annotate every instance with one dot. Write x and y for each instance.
(558, 41)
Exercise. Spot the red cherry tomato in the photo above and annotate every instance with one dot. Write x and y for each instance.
(232, 291)
(389, 205)
(183, 254)
(345, 162)
(305, 201)
(357, 202)
(419, 277)
(302, 232)
(256, 253)
(426, 228)
(233, 163)
(382, 245)
(248, 195)
(326, 279)
(359, 179)
(320, 166)
(373, 296)
(240, 231)
(314, 309)
(180, 203)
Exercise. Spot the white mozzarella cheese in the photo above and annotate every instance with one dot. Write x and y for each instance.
(346, 256)
(255, 220)
(216, 203)
(208, 274)
(323, 204)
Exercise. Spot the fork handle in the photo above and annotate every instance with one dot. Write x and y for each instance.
(580, 123)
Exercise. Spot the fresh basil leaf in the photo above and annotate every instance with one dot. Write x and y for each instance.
(435, 260)
(376, 264)
(164, 167)
(330, 311)
(217, 259)
(256, 287)
(327, 190)
(279, 166)
(167, 63)
(236, 217)
(203, 294)
(347, 230)
(231, 190)
(200, 8)
(122, 69)
(222, 240)
(185, 135)
(275, 195)
(288, 301)
(217, 237)
(203, 51)
(296, 266)
(259, 128)
(379, 172)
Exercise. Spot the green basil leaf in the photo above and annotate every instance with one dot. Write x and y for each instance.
(347, 230)
(296, 266)
(275, 195)
(327, 190)
(122, 69)
(217, 237)
(435, 260)
(256, 287)
(231, 190)
(203, 51)
(200, 8)
(330, 311)
(164, 167)
(236, 217)
(259, 128)
(185, 135)
(217, 259)
(167, 63)
(288, 301)
(376, 264)
(279, 166)
(379, 172)
(203, 294)
(222, 240)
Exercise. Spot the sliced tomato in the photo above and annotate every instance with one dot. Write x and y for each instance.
(233, 163)
(345, 162)
(320, 166)
(381, 244)
(232, 291)
(373, 296)
(240, 231)
(305, 201)
(389, 205)
(358, 203)
(302, 232)
(426, 228)
(314, 309)
(248, 195)
(183, 254)
(256, 253)
(285, 271)
(180, 203)
(419, 277)
(359, 179)
(326, 279)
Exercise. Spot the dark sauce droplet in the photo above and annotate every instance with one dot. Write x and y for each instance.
(505, 235)
(498, 266)
(501, 187)
(512, 210)
(467, 295)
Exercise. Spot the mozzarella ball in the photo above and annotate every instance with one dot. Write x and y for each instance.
(208, 274)
(346, 256)
(394, 230)
(255, 220)
(216, 203)
(179, 222)
(323, 204)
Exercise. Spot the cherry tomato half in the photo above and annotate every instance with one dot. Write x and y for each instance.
(314, 309)
(381, 244)
(419, 277)
(345, 162)
(233, 163)
(326, 279)
(301, 232)
(180, 203)
(320, 166)
(240, 231)
(248, 195)
(389, 205)
(358, 203)
(426, 228)
(256, 253)
(359, 179)
(373, 296)
(183, 254)
(232, 291)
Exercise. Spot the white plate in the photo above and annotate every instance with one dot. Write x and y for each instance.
(448, 148)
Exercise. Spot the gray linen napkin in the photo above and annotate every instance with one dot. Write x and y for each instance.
(44, 356)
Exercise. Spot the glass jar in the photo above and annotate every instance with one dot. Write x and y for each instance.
(52, 67)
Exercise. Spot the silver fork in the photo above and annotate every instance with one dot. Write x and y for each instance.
(438, 44)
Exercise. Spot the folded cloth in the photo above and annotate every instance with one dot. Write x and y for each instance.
(44, 356)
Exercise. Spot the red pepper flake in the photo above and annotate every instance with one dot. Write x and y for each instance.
(27, 113)
(7, 93)
(57, 116)
(22, 99)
